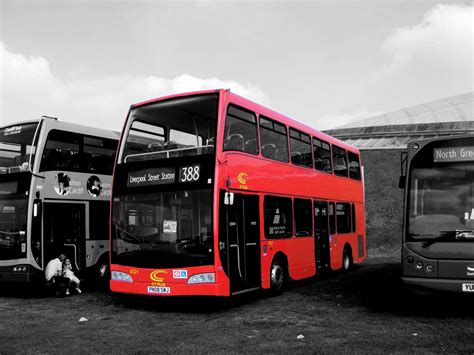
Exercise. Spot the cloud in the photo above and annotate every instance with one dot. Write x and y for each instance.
(432, 59)
(30, 89)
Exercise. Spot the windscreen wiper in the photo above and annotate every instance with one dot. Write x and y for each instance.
(445, 235)
(127, 233)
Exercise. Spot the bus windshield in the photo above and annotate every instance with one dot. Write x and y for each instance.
(171, 128)
(15, 146)
(442, 203)
(163, 229)
(13, 212)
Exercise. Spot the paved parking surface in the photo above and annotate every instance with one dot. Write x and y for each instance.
(364, 311)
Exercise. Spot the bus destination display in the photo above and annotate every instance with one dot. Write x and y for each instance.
(151, 176)
(163, 176)
(441, 155)
(190, 173)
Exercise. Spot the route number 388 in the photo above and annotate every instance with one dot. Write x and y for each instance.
(190, 173)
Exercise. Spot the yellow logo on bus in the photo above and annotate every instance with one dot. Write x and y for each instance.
(242, 178)
(154, 275)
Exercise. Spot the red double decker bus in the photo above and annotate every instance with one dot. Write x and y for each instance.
(216, 195)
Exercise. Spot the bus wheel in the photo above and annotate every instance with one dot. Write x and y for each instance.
(102, 273)
(346, 259)
(277, 278)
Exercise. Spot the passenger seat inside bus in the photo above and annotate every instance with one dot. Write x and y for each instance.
(154, 147)
(296, 158)
(269, 151)
(235, 142)
(251, 146)
(282, 154)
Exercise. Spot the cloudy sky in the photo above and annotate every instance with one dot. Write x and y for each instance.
(325, 63)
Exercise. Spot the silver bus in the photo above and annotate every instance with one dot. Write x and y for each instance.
(55, 187)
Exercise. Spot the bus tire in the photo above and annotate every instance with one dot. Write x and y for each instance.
(347, 259)
(278, 277)
(102, 272)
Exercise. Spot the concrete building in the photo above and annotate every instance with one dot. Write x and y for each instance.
(381, 140)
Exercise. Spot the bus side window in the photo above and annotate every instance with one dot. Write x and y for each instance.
(332, 219)
(98, 155)
(354, 166)
(303, 217)
(61, 151)
(343, 218)
(339, 158)
(240, 131)
(322, 156)
(278, 217)
(273, 139)
(300, 145)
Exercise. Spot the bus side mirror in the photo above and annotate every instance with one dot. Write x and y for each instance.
(402, 182)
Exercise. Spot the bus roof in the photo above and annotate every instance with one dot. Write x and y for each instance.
(68, 126)
(260, 110)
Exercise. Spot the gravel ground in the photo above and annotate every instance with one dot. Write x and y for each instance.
(364, 311)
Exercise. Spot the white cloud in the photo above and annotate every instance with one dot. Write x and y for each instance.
(30, 89)
(433, 59)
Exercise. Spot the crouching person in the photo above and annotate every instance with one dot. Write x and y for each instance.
(54, 276)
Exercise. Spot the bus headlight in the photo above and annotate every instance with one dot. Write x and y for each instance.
(207, 278)
(419, 265)
(121, 276)
(20, 268)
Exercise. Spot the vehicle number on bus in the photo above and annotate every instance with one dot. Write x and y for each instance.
(190, 173)
(468, 287)
(156, 289)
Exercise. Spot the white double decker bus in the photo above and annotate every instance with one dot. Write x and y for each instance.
(55, 187)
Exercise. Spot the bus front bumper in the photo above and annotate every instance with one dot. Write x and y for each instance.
(449, 285)
(30, 275)
(170, 289)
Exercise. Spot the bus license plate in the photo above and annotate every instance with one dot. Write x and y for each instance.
(158, 289)
(468, 287)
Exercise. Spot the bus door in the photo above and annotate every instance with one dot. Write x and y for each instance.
(65, 231)
(321, 235)
(240, 234)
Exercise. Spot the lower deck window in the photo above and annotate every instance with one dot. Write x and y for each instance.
(278, 217)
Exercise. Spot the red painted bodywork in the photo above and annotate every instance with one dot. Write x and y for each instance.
(265, 176)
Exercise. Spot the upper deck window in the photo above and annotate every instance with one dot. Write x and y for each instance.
(300, 144)
(144, 137)
(273, 140)
(339, 157)
(15, 144)
(240, 131)
(76, 152)
(322, 155)
(354, 166)
(171, 128)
